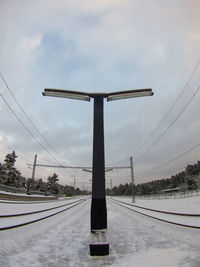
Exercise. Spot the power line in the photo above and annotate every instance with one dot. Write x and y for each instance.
(171, 108)
(6, 85)
(41, 135)
(24, 126)
(170, 161)
(166, 130)
(79, 167)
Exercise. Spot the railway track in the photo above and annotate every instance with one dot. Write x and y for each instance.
(10, 221)
(179, 219)
(7, 201)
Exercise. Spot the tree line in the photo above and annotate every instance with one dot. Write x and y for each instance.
(10, 176)
(189, 179)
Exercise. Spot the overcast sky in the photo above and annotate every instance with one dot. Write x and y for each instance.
(101, 46)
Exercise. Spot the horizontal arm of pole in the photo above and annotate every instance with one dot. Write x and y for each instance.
(86, 96)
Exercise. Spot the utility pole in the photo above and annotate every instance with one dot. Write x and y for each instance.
(132, 179)
(34, 167)
(99, 245)
(29, 182)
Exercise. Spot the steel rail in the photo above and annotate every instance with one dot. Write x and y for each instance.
(40, 219)
(159, 219)
(31, 201)
(38, 211)
(161, 211)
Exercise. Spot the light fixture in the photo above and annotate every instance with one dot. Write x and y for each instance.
(129, 94)
(66, 94)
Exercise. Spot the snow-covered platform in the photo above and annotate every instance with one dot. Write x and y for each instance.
(134, 239)
(22, 197)
(182, 205)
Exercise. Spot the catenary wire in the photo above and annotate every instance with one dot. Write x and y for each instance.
(26, 128)
(41, 135)
(6, 86)
(170, 161)
(172, 123)
(171, 108)
(165, 116)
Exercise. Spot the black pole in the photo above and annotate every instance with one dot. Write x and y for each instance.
(99, 245)
(98, 208)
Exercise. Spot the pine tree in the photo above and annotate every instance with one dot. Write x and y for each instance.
(12, 175)
(2, 173)
(53, 186)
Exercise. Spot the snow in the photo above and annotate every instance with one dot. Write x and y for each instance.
(153, 258)
(15, 207)
(135, 240)
(24, 194)
(12, 221)
(182, 205)
(186, 220)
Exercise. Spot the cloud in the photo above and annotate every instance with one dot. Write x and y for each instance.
(100, 46)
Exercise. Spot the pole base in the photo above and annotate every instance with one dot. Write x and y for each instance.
(99, 245)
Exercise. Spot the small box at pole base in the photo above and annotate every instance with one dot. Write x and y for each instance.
(99, 249)
(98, 243)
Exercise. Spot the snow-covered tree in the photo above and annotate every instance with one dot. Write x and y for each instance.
(9, 174)
(53, 186)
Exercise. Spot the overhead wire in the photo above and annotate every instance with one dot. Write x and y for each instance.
(26, 128)
(170, 125)
(169, 111)
(37, 130)
(33, 125)
(166, 115)
(170, 161)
